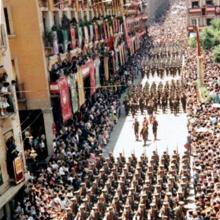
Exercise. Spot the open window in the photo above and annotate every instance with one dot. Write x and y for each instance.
(209, 2)
(195, 4)
(208, 21)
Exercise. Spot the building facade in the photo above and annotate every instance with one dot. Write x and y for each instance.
(12, 166)
(202, 12)
(51, 41)
(24, 29)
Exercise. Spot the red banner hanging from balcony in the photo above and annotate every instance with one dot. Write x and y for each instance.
(105, 30)
(73, 37)
(88, 70)
(65, 99)
(86, 34)
(96, 32)
(55, 43)
(92, 78)
(127, 38)
(18, 169)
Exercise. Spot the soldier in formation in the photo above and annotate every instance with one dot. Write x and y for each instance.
(153, 97)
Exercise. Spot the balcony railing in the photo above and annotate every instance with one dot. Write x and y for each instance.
(6, 105)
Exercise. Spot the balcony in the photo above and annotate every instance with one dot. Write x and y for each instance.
(195, 10)
(6, 105)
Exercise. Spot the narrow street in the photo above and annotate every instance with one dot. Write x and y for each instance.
(172, 130)
(123, 124)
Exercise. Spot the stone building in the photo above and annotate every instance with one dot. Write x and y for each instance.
(202, 12)
(12, 166)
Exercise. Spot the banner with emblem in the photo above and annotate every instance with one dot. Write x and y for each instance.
(91, 32)
(65, 99)
(97, 63)
(92, 78)
(106, 68)
(65, 40)
(55, 43)
(18, 166)
(80, 36)
(105, 30)
(113, 61)
(123, 53)
(81, 92)
(120, 55)
(116, 59)
(73, 37)
(73, 90)
(96, 32)
(88, 70)
(86, 34)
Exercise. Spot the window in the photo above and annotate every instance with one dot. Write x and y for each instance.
(194, 22)
(208, 21)
(209, 2)
(7, 21)
(195, 4)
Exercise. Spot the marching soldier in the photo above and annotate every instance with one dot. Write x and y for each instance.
(144, 133)
(183, 102)
(136, 126)
(154, 128)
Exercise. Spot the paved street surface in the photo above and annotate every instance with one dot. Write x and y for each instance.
(172, 132)
(172, 135)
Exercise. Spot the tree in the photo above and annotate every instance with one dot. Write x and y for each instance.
(208, 36)
(216, 54)
(192, 42)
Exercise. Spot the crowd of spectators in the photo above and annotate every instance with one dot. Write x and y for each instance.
(80, 184)
(76, 148)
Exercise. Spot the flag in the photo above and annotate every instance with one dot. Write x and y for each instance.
(92, 78)
(96, 32)
(91, 32)
(55, 43)
(106, 68)
(65, 40)
(74, 95)
(73, 37)
(97, 74)
(105, 30)
(65, 98)
(120, 55)
(86, 34)
(79, 30)
(81, 91)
